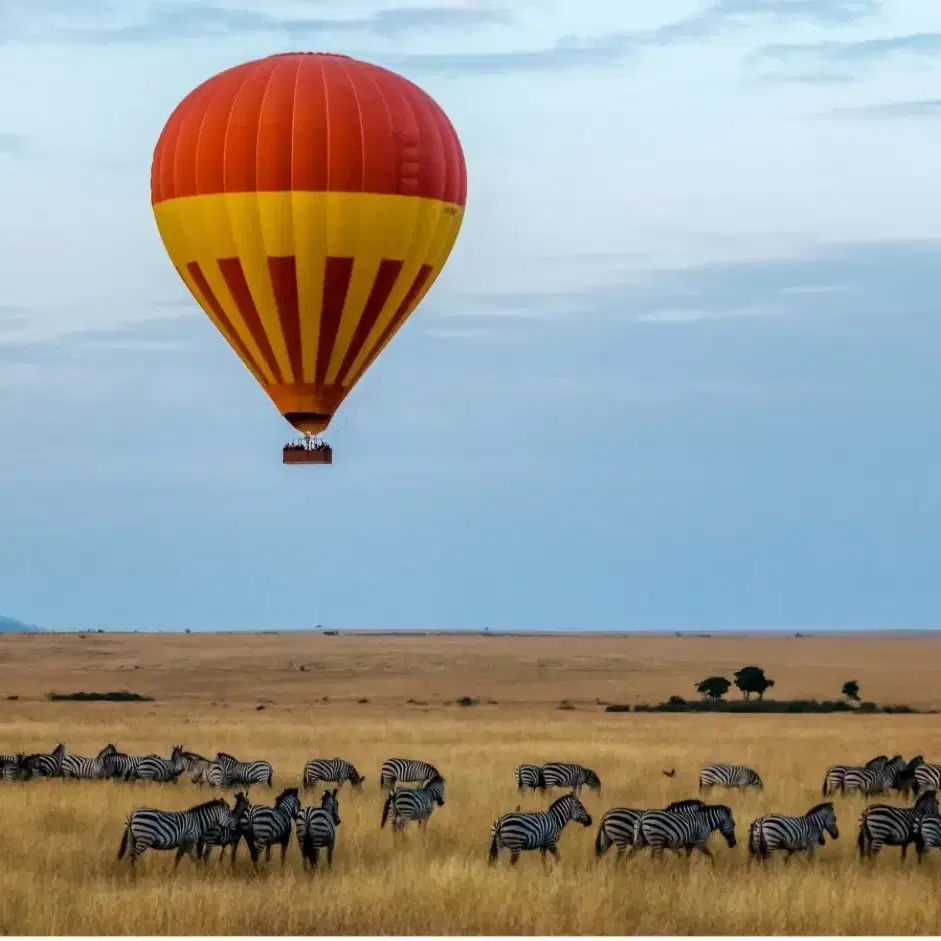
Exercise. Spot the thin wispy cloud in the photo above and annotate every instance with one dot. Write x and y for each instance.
(918, 108)
(13, 145)
(859, 53)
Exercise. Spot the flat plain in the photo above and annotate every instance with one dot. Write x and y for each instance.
(369, 697)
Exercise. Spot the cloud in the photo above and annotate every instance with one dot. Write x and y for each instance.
(169, 20)
(919, 108)
(14, 145)
(674, 315)
(861, 52)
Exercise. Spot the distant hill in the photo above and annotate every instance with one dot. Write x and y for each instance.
(11, 624)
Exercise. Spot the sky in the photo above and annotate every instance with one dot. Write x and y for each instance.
(680, 372)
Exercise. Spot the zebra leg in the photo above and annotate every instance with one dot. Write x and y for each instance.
(315, 856)
(555, 853)
(180, 850)
(787, 858)
(284, 847)
(514, 857)
(703, 848)
(330, 855)
(904, 852)
(268, 853)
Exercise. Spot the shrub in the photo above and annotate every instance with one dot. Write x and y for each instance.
(120, 696)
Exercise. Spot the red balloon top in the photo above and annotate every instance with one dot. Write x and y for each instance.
(309, 122)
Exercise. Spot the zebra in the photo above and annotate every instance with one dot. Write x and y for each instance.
(722, 775)
(264, 826)
(530, 776)
(226, 831)
(833, 779)
(87, 769)
(45, 766)
(195, 766)
(148, 828)
(927, 834)
(617, 825)
(905, 781)
(245, 772)
(568, 775)
(536, 830)
(405, 771)
(927, 778)
(883, 825)
(155, 768)
(687, 829)
(793, 834)
(316, 829)
(12, 767)
(121, 766)
(875, 780)
(406, 804)
(334, 770)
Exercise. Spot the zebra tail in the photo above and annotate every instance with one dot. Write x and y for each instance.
(386, 807)
(762, 842)
(861, 838)
(824, 791)
(494, 845)
(601, 841)
(307, 847)
(125, 840)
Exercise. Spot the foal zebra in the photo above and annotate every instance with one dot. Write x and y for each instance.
(227, 830)
(792, 834)
(405, 770)
(617, 825)
(570, 775)
(687, 829)
(147, 828)
(87, 769)
(874, 780)
(406, 804)
(334, 770)
(722, 775)
(244, 772)
(530, 776)
(264, 826)
(536, 830)
(883, 825)
(316, 829)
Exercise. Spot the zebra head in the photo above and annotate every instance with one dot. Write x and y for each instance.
(592, 781)
(825, 815)
(288, 801)
(874, 764)
(176, 759)
(106, 752)
(927, 804)
(692, 803)
(721, 819)
(756, 781)
(242, 807)
(569, 807)
(435, 786)
(356, 779)
(331, 805)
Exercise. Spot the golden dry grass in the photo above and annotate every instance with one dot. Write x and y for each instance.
(59, 874)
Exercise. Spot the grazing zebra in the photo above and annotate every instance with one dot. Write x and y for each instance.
(883, 825)
(155, 768)
(904, 781)
(405, 771)
(728, 776)
(530, 776)
(617, 825)
(244, 772)
(417, 803)
(45, 766)
(686, 829)
(927, 834)
(88, 769)
(875, 780)
(227, 830)
(536, 830)
(569, 775)
(833, 779)
(264, 826)
(792, 834)
(927, 778)
(316, 829)
(147, 828)
(334, 770)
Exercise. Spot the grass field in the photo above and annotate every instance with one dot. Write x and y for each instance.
(60, 876)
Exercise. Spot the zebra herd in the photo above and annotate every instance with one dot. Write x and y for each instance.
(683, 826)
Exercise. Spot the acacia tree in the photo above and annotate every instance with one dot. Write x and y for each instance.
(713, 687)
(851, 690)
(752, 680)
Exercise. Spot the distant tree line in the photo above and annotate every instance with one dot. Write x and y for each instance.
(752, 680)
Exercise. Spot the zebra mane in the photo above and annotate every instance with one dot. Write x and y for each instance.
(284, 795)
(826, 805)
(225, 756)
(688, 804)
(929, 797)
(207, 804)
(564, 799)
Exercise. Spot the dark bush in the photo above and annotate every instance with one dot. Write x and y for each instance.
(622, 707)
(120, 696)
(467, 701)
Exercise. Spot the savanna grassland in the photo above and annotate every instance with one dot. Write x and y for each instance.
(58, 873)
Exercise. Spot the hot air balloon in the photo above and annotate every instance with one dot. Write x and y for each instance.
(308, 201)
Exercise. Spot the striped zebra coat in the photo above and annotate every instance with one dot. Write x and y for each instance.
(875, 780)
(121, 766)
(334, 770)
(243, 772)
(88, 769)
(44, 766)
(617, 825)
(316, 829)
(148, 828)
(722, 775)
(792, 834)
(883, 825)
(927, 778)
(686, 829)
(155, 768)
(226, 831)
(904, 782)
(405, 771)
(530, 776)
(263, 826)
(927, 834)
(833, 779)
(404, 804)
(569, 775)
(521, 831)
(12, 767)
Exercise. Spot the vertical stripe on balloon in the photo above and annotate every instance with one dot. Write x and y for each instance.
(336, 282)
(283, 271)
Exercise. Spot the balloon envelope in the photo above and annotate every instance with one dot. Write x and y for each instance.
(308, 201)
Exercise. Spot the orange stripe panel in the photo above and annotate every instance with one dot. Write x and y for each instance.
(231, 269)
(283, 271)
(336, 282)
